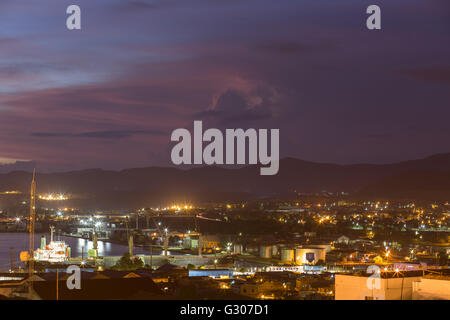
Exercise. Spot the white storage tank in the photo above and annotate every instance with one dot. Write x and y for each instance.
(252, 248)
(274, 251)
(287, 255)
(238, 248)
(265, 252)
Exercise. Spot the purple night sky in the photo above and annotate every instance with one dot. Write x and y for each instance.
(110, 95)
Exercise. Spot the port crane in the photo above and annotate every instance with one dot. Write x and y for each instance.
(163, 235)
(32, 218)
(200, 242)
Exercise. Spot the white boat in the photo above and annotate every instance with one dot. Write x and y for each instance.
(55, 251)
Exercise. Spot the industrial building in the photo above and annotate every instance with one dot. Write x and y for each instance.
(370, 287)
(268, 251)
(309, 255)
(432, 287)
(288, 255)
(213, 273)
(391, 285)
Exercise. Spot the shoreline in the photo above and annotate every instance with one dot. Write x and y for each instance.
(139, 245)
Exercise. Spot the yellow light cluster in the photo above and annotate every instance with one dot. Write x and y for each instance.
(11, 192)
(324, 219)
(224, 286)
(179, 207)
(53, 197)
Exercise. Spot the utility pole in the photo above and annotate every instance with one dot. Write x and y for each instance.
(57, 283)
(151, 258)
(200, 238)
(130, 245)
(166, 244)
(163, 235)
(95, 247)
(12, 259)
(52, 230)
(126, 224)
(137, 221)
(200, 245)
(401, 294)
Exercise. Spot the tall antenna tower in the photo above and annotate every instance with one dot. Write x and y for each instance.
(32, 218)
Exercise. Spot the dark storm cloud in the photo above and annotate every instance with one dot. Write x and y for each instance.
(112, 134)
(238, 108)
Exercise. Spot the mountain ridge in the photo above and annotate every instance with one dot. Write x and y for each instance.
(136, 187)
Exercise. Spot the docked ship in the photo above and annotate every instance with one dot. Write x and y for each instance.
(55, 251)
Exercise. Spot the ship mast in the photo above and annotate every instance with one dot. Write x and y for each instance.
(32, 219)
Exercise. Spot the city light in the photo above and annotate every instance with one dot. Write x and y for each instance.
(178, 207)
(11, 192)
(53, 197)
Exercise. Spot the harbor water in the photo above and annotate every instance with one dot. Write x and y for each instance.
(79, 247)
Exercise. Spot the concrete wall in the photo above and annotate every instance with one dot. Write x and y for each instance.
(349, 287)
(431, 289)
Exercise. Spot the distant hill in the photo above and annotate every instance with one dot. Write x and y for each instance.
(427, 178)
(17, 166)
(424, 185)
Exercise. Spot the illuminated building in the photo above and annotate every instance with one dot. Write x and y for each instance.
(385, 286)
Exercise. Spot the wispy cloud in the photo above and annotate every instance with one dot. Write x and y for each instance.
(111, 134)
